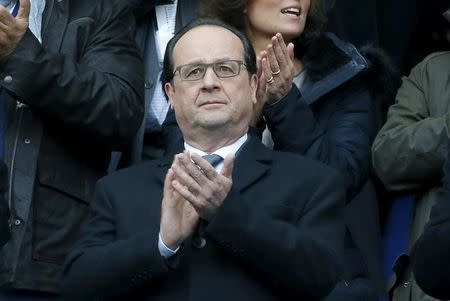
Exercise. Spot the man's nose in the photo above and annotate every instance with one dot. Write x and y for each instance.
(210, 79)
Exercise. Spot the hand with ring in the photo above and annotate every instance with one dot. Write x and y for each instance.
(276, 71)
(270, 80)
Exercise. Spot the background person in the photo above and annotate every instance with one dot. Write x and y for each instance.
(157, 21)
(410, 150)
(71, 92)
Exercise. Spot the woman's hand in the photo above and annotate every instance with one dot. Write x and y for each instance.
(276, 71)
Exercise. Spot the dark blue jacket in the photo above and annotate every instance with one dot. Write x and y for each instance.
(334, 119)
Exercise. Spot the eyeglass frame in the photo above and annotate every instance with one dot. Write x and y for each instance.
(207, 65)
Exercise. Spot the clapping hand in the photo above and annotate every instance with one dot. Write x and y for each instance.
(276, 71)
(200, 184)
(192, 189)
(178, 217)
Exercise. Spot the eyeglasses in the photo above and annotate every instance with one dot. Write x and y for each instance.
(223, 69)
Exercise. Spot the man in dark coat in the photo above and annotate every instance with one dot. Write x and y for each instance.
(71, 81)
(263, 226)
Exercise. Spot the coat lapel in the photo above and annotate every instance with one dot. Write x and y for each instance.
(165, 162)
(163, 166)
(54, 22)
(252, 163)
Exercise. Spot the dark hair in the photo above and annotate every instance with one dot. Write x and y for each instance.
(168, 67)
(232, 12)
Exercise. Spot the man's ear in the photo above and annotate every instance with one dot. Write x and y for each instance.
(170, 90)
(254, 87)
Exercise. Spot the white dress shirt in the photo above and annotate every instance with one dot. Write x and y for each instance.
(166, 19)
(223, 152)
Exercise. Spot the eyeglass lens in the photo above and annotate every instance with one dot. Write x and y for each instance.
(222, 69)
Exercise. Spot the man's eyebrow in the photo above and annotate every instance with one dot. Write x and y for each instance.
(201, 61)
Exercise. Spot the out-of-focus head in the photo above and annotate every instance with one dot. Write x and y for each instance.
(209, 77)
(289, 17)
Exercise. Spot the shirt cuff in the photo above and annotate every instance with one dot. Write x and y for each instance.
(164, 250)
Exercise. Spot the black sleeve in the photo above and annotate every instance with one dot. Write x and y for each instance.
(101, 266)
(343, 141)
(101, 93)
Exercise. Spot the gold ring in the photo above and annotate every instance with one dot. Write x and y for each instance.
(270, 80)
(276, 72)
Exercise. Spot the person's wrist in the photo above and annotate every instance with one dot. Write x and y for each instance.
(170, 242)
(172, 245)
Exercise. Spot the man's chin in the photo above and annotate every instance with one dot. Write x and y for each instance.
(212, 123)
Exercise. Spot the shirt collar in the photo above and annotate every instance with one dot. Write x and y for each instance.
(223, 152)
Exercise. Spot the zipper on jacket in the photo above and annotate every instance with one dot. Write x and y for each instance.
(19, 108)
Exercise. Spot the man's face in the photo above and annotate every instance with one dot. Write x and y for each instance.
(211, 103)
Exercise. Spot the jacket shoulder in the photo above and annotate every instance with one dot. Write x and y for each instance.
(428, 75)
(437, 57)
(436, 62)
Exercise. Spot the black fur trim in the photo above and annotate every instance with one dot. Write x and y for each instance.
(382, 75)
(320, 56)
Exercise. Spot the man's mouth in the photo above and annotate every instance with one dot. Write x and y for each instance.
(212, 102)
(293, 11)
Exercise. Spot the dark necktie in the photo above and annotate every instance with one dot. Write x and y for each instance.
(198, 240)
(213, 159)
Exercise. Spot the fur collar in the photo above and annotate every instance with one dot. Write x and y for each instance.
(324, 53)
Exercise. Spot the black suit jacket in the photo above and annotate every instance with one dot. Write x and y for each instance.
(278, 236)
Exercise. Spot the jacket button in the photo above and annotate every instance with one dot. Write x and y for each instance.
(8, 79)
(17, 222)
(27, 141)
(406, 284)
(148, 84)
